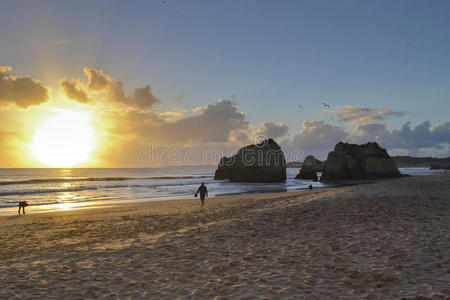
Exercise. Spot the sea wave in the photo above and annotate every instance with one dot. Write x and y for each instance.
(64, 180)
(45, 191)
(83, 188)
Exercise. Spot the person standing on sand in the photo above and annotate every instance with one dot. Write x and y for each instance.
(203, 192)
(22, 205)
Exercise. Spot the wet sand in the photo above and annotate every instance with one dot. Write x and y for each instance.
(388, 239)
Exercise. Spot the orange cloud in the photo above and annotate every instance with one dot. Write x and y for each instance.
(140, 98)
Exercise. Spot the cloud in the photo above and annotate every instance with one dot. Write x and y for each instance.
(422, 135)
(214, 128)
(220, 125)
(21, 91)
(367, 127)
(73, 91)
(140, 98)
(355, 115)
(143, 97)
(441, 132)
(272, 130)
(213, 123)
(239, 137)
(317, 135)
(371, 131)
(171, 115)
(408, 139)
(97, 80)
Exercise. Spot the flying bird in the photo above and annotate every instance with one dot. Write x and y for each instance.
(300, 106)
(325, 105)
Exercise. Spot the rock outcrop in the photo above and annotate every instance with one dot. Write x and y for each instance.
(420, 162)
(263, 162)
(309, 168)
(351, 161)
(440, 166)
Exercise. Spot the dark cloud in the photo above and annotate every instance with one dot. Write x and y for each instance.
(21, 91)
(143, 97)
(421, 136)
(73, 91)
(422, 139)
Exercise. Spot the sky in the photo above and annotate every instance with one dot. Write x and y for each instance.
(220, 74)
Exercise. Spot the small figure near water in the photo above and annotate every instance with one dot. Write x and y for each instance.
(310, 187)
(203, 192)
(22, 206)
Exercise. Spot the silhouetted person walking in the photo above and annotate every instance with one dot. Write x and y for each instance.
(310, 187)
(203, 191)
(22, 205)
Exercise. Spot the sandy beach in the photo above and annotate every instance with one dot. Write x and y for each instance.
(385, 239)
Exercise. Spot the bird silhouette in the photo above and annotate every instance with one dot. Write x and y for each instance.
(300, 106)
(325, 105)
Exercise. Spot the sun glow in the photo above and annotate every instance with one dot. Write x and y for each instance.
(64, 140)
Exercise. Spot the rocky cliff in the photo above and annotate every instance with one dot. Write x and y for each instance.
(263, 162)
(351, 161)
(309, 168)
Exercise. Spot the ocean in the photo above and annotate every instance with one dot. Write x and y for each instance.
(75, 185)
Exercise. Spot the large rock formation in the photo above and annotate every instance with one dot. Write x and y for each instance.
(351, 161)
(309, 168)
(263, 162)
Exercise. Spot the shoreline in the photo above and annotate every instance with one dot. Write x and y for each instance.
(55, 198)
(66, 206)
(387, 239)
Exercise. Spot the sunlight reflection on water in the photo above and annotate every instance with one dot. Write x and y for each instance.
(64, 197)
(69, 205)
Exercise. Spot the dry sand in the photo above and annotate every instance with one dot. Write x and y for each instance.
(388, 239)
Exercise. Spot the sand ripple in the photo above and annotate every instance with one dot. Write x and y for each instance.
(385, 240)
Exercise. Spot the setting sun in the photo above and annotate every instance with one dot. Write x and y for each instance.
(64, 140)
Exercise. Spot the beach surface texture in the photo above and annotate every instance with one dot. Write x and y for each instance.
(385, 239)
